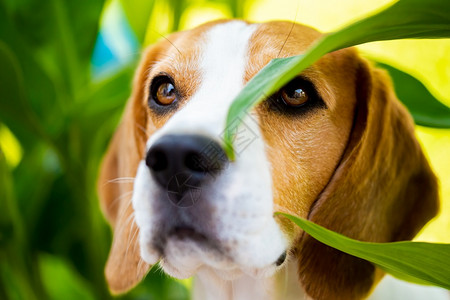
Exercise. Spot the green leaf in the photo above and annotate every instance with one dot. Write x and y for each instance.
(61, 281)
(11, 229)
(257, 89)
(423, 106)
(43, 175)
(237, 8)
(84, 30)
(37, 103)
(15, 275)
(404, 19)
(58, 38)
(13, 105)
(424, 263)
(110, 95)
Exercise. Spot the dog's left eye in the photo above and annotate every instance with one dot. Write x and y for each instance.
(298, 92)
(293, 95)
(296, 97)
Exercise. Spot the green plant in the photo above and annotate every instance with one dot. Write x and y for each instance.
(423, 263)
(53, 239)
(418, 262)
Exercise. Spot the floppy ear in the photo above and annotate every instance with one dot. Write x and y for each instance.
(382, 191)
(124, 268)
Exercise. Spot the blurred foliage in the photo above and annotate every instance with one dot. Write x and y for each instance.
(53, 239)
(55, 122)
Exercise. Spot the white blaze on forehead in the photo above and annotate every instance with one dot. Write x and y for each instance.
(223, 59)
(241, 197)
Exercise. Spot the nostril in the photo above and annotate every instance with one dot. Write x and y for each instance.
(195, 162)
(156, 160)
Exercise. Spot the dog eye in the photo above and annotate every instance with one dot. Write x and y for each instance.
(165, 94)
(294, 96)
(163, 91)
(296, 93)
(297, 97)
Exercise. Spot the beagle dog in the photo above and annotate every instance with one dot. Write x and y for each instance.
(334, 145)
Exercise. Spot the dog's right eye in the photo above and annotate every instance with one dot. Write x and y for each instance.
(162, 91)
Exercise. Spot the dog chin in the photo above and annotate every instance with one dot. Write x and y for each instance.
(184, 258)
(223, 274)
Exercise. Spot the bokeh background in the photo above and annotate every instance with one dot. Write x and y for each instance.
(65, 74)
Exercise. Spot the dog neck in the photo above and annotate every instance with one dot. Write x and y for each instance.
(282, 285)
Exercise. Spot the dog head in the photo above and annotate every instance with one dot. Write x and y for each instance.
(334, 145)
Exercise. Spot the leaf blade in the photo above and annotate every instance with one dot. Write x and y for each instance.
(423, 106)
(424, 263)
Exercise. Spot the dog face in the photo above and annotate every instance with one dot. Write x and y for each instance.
(333, 146)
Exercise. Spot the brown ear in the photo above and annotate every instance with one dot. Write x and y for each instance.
(383, 190)
(124, 268)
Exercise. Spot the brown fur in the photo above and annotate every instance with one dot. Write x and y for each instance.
(383, 190)
(354, 167)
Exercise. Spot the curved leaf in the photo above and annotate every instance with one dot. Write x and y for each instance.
(419, 262)
(61, 280)
(423, 106)
(13, 104)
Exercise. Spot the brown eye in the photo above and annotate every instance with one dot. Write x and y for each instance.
(296, 98)
(294, 95)
(162, 92)
(165, 94)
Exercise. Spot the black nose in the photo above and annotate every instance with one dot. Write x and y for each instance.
(189, 158)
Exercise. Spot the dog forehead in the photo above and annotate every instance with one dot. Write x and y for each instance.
(216, 66)
(211, 63)
(193, 49)
(224, 38)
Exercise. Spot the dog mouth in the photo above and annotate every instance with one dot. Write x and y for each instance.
(184, 232)
(182, 248)
(188, 233)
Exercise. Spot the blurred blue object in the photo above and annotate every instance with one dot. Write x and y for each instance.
(116, 44)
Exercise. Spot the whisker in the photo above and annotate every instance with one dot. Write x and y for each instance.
(141, 265)
(131, 236)
(136, 231)
(118, 199)
(164, 37)
(140, 127)
(129, 219)
(159, 268)
(121, 180)
(292, 27)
